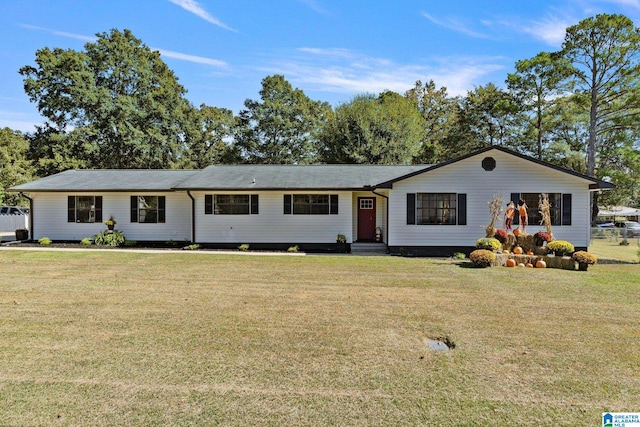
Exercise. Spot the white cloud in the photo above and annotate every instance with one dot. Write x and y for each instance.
(315, 6)
(350, 73)
(195, 8)
(455, 25)
(550, 30)
(60, 33)
(193, 58)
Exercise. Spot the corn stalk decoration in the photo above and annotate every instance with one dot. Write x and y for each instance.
(495, 209)
(545, 210)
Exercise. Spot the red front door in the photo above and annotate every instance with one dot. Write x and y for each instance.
(366, 218)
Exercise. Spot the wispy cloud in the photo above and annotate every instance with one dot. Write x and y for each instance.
(60, 33)
(166, 53)
(350, 73)
(315, 6)
(193, 58)
(455, 25)
(550, 30)
(195, 8)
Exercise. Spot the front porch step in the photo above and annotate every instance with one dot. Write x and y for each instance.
(368, 248)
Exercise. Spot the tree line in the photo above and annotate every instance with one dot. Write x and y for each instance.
(116, 104)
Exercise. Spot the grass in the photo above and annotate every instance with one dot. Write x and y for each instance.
(610, 248)
(95, 338)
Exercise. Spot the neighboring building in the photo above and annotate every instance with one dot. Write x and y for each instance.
(416, 210)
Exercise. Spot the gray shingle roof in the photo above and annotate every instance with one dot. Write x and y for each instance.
(108, 180)
(293, 177)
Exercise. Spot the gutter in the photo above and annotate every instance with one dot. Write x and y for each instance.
(30, 213)
(193, 217)
(387, 213)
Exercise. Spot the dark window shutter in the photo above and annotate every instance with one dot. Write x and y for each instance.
(411, 208)
(71, 209)
(161, 209)
(254, 204)
(287, 204)
(462, 209)
(134, 208)
(98, 208)
(566, 209)
(208, 204)
(333, 204)
(516, 216)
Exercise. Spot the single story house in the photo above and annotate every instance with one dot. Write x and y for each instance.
(412, 209)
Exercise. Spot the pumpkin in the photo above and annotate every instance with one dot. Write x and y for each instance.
(541, 264)
(529, 265)
(529, 253)
(521, 265)
(516, 232)
(517, 250)
(511, 262)
(505, 251)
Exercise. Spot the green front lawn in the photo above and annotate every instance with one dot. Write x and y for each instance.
(95, 338)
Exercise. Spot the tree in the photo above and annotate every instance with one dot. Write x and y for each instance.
(605, 53)
(15, 169)
(437, 111)
(282, 128)
(124, 106)
(209, 137)
(384, 129)
(537, 83)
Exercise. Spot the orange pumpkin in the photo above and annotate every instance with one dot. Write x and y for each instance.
(517, 250)
(516, 232)
(541, 264)
(529, 265)
(529, 253)
(511, 262)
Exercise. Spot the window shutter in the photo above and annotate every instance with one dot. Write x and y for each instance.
(516, 216)
(462, 209)
(71, 209)
(208, 204)
(134, 208)
(287, 204)
(411, 208)
(98, 208)
(333, 204)
(254, 204)
(566, 209)
(161, 209)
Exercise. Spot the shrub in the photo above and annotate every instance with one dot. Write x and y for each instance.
(44, 241)
(541, 235)
(583, 257)
(488, 243)
(194, 247)
(560, 246)
(109, 238)
(341, 238)
(459, 255)
(86, 241)
(293, 249)
(501, 235)
(243, 247)
(482, 257)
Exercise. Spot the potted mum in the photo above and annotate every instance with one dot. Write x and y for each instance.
(541, 237)
(584, 259)
(110, 223)
(560, 247)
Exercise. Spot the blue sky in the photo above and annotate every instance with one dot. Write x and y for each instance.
(331, 49)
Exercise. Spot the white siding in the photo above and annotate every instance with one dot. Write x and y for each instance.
(511, 175)
(271, 225)
(50, 217)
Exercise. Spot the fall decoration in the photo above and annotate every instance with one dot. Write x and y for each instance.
(511, 262)
(541, 264)
(482, 257)
(495, 209)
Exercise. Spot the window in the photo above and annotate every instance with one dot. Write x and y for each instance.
(436, 208)
(560, 207)
(311, 204)
(148, 209)
(84, 209)
(366, 203)
(231, 204)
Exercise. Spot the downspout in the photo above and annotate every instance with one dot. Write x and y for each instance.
(387, 213)
(30, 213)
(193, 217)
